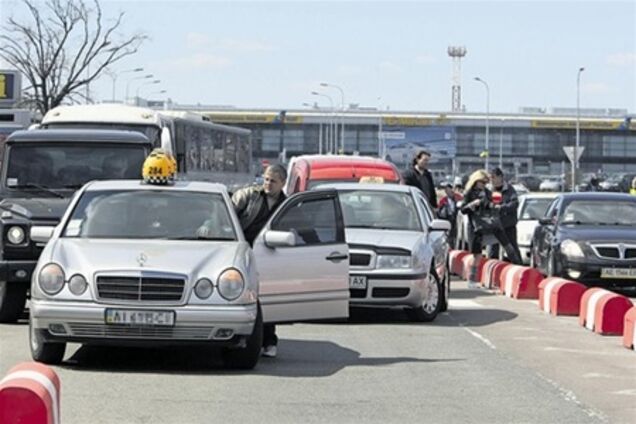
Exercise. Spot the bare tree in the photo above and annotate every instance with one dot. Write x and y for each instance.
(61, 47)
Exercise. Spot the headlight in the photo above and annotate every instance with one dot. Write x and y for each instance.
(77, 284)
(51, 279)
(15, 235)
(571, 249)
(393, 261)
(203, 288)
(231, 284)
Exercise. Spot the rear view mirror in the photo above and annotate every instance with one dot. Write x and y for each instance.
(440, 225)
(279, 239)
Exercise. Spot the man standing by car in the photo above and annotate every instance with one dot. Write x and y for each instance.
(254, 206)
(419, 176)
(507, 211)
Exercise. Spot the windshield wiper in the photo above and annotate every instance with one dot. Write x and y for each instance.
(74, 186)
(40, 187)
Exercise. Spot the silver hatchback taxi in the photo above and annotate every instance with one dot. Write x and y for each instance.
(125, 266)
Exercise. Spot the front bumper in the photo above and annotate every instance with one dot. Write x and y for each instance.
(391, 290)
(15, 271)
(588, 272)
(85, 323)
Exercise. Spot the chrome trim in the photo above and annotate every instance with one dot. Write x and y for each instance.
(621, 247)
(137, 332)
(141, 274)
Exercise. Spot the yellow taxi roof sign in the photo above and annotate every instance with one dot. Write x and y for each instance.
(372, 179)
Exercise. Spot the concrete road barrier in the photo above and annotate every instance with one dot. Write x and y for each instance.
(491, 273)
(507, 277)
(524, 284)
(558, 296)
(603, 311)
(467, 262)
(629, 329)
(456, 264)
(30, 394)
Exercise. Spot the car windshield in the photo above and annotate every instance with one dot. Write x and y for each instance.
(71, 165)
(151, 214)
(534, 209)
(600, 212)
(380, 210)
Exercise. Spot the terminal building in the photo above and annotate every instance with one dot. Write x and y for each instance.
(531, 141)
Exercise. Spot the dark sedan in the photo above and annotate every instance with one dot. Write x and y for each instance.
(588, 237)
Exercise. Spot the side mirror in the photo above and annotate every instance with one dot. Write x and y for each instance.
(275, 239)
(546, 221)
(41, 234)
(440, 225)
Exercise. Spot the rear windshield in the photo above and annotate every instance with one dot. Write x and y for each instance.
(314, 183)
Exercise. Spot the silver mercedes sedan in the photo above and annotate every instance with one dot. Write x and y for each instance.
(126, 266)
(398, 250)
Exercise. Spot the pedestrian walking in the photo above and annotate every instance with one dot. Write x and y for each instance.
(254, 206)
(484, 220)
(447, 210)
(419, 176)
(507, 211)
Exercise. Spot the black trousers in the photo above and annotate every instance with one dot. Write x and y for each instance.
(511, 234)
(269, 335)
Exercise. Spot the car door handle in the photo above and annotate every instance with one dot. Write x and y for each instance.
(337, 257)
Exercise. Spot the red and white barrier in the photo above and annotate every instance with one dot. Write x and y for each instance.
(467, 263)
(455, 258)
(30, 394)
(603, 311)
(491, 273)
(558, 296)
(520, 282)
(629, 329)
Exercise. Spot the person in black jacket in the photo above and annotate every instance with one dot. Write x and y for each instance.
(507, 211)
(419, 176)
(483, 215)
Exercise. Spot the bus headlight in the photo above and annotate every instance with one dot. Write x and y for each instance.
(51, 279)
(231, 284)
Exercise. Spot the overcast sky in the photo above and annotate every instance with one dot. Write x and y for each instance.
(389, 53)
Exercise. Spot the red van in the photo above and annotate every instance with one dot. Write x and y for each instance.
(307, 171)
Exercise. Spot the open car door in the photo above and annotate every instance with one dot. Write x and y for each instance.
(303, 260)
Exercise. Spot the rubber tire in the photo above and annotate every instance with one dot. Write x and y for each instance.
(12, 301)
(420, 314)
(42, 351)
(247, 357)
(445, 293)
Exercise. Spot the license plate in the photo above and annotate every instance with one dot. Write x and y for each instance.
(140, 318)
(627, 273)
(357, 282)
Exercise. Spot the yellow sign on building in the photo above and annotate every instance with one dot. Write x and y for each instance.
(571, 124)
(3, 86)
(251, 118)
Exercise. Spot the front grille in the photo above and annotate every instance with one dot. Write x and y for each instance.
(140, 288)
(390, 292)
(130, 332)
(358, 293)
(608, 252)
(359, 259)
(630, 253)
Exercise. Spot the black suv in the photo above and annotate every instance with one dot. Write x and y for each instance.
(41, 170)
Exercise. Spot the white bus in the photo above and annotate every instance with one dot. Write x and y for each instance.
(204, 151)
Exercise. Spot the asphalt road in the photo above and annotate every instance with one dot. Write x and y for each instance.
(490, 359)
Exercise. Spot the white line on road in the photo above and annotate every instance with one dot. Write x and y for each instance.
(463, 304)
(480, 337)
(585, 352)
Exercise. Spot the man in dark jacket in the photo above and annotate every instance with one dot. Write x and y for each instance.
(419, 176)
(507, 211)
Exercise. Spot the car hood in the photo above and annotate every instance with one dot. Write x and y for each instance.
(42, 209)
(598, 233)
(182, 257)
(384, 238)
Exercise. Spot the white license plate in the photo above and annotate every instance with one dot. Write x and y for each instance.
(618, 272)
(140, 318)
(357, 282)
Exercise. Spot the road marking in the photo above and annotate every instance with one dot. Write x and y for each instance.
(585, 352)
(480, 338)
(463, 304)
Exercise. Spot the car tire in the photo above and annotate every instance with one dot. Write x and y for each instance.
(246, 358)
(42, 351)
(12, 300)
(445, 293)
(429, 309)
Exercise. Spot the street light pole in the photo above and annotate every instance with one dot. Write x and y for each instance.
(144, 84)
(342, 110)
(487, 117)
(575, 162)
(331, 139)
(501, 144)
(114, 76)
(135, 79)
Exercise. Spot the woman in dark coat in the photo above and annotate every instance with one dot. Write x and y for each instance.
(483, 215)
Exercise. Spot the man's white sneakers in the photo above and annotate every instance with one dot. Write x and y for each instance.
(269, 351)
